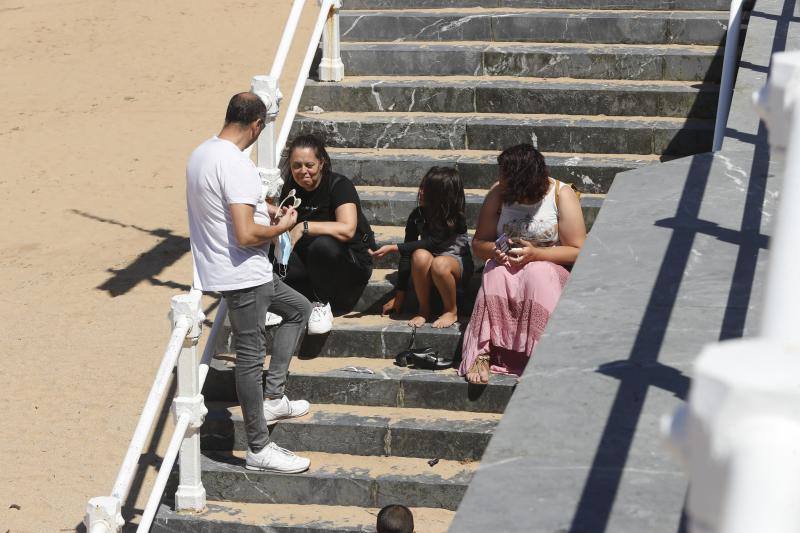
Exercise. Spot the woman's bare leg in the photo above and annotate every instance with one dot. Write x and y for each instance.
(421, 261)
(446, 273)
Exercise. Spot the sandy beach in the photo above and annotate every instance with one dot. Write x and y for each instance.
(102, 103)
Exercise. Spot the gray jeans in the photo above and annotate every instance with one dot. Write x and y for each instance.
(247, 309)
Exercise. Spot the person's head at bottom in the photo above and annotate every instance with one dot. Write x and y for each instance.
(395, 519)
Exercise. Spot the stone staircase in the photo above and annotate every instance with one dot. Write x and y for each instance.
(601, 86)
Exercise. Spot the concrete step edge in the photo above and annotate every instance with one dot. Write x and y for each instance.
(649, 49)
(522, 83)
(223, 517)
(340, 479)
(414, 117)
(362, 430)
(387, 385)
(490, 11)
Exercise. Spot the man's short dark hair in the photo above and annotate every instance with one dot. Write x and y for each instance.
(244, 109)
(395, 519)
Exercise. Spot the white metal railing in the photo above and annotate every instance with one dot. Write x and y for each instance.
(739, 434)
(331, 68)
(104, 514)
(729, 67)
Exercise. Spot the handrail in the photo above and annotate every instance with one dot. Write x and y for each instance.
(728, 72)
(286, 39)
(182, 425)
(326, 8)
(122, 485)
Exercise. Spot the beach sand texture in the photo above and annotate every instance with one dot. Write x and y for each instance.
(102, 102)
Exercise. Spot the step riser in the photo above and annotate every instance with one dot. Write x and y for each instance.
(394, 212)
(476, 174)
(393, 60)
(424, 392)
(367, 439)
(376, 294)
(598, 136)
(430, 98)
(605, 28)
(373, 342)
(183, 524)
(700, 5)
(261, 487)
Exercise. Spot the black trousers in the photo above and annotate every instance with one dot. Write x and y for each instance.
(324, 269)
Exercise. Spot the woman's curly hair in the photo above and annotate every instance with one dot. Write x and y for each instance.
(524, 174)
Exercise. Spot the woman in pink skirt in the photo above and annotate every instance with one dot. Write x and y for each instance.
(530, 227)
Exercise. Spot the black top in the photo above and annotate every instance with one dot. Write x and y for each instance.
(320, 205)
(439, 242)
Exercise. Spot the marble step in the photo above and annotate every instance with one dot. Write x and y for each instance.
(540, 60)
(591, 173)
(390, 206)
(362, 430)
(718, 5)
(381, 288)
(541, 25)
(487, 94)
(338, 479)
(236, 517)
(373, 380)
(551, 133)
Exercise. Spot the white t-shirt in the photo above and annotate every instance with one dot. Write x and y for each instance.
(219, 174)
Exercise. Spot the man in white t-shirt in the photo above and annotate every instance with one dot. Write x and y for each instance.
(223, 190)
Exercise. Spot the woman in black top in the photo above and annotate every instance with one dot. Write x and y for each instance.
(330, 262)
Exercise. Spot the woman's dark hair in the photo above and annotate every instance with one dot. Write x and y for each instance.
(524, 174)
(305, 141)
(443, 201)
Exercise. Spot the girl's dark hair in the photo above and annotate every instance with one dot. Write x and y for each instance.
(305, 141)
(443, 203)
(524, 174)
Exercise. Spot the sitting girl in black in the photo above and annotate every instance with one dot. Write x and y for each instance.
(436, 249)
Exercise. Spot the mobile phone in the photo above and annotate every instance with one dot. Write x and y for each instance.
(502, 243)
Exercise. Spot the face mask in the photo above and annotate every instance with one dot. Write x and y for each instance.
(282, 252)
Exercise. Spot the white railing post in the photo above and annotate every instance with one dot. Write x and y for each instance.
(103, 515)
(739, 434)
(729, 67)
(331, 67)
(191, 495)
(266, 88)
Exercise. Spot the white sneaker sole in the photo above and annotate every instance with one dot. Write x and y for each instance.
(276, 470)
(323, 331)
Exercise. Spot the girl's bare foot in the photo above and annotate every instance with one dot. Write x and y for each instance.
(478, 373)
(418, 321)
(446, 320)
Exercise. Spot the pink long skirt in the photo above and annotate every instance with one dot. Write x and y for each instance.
(510, 314)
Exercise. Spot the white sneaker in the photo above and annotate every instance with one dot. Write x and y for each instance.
(272, 319)
(321, 320)
(273, 458)
(283, 408)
